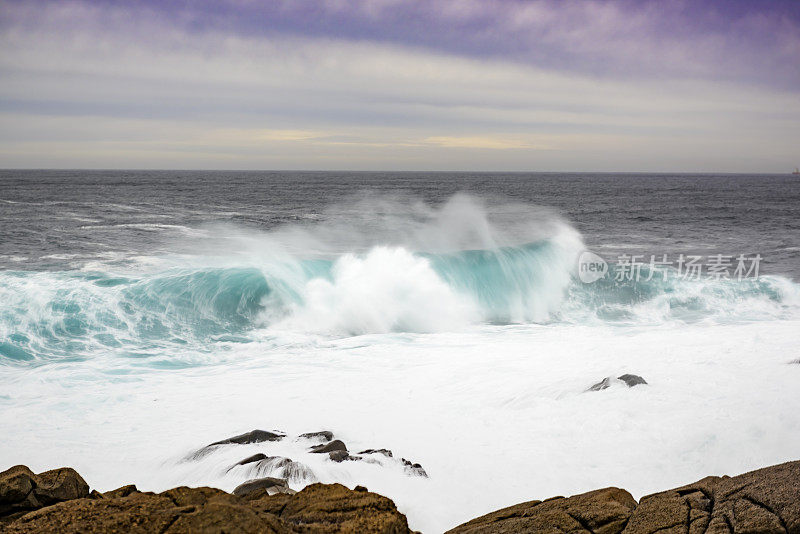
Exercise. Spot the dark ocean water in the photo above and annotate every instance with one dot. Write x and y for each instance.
(57, 219)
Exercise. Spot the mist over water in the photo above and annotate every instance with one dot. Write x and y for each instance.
(440, 315)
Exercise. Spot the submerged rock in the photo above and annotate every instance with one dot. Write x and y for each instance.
(335, 445)
(603, 384)
(250, 459)
(632, 380)
(413, 468)
(323, 435)
(339, 456)
(254, 436)
(287, 468)
(384, 452)
(629, 380)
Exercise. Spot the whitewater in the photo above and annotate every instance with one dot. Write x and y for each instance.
(456, 333)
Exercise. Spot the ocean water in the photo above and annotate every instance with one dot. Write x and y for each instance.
(441, 315)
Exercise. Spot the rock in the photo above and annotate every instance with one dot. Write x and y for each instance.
(254, 436)
(385, 452)
(766, 501)
(321, 506)
(16, 488)
(413, 468)
(58, 485)
(21, 489)
(317, 509)
(286, 468)
(604, 511)
(632, 380)
(763, 501)
(335, 445)
(603, 384)
(339, 456)
(272, 485)
(360, 488)
(124, 491)
(250, 459)
(324, 435)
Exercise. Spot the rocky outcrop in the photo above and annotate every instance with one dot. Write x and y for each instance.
(295, 469)
(765, 501)
(317, 509)
(22, 490)
(604, 511)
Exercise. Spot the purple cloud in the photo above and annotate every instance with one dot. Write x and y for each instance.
(732, 40)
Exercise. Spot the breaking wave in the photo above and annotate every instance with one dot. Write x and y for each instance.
(410, 281)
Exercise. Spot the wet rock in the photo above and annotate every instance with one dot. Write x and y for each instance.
(338, 456)
(632, 380)
(323, 435)
(335, 445)
(254, 436)
(629, 380)
(286, 468)
(250, 459)
(413, 468)
(603, 384)
(604, 511)
(270, 484)
(763, 501)
(384, 452)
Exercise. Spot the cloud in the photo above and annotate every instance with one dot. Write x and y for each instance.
(93, 85)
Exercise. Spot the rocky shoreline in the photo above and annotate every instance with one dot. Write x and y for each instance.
(762, 501)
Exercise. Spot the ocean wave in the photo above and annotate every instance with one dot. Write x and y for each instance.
(72, 314)
(375, 267)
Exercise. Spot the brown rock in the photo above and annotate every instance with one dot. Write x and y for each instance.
(63, 484)
(334, 508)
(316, 510)
(124, 491)
(16, 489)
(21, 489)
(604, 511)
(270, 484)
(762, 501)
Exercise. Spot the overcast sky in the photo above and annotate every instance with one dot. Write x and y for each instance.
(388, 84)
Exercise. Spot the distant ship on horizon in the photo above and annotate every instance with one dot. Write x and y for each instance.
(796, 171)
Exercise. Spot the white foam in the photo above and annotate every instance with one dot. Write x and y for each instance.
(496, 415)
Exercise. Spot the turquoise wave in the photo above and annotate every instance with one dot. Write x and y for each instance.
(72, 315)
